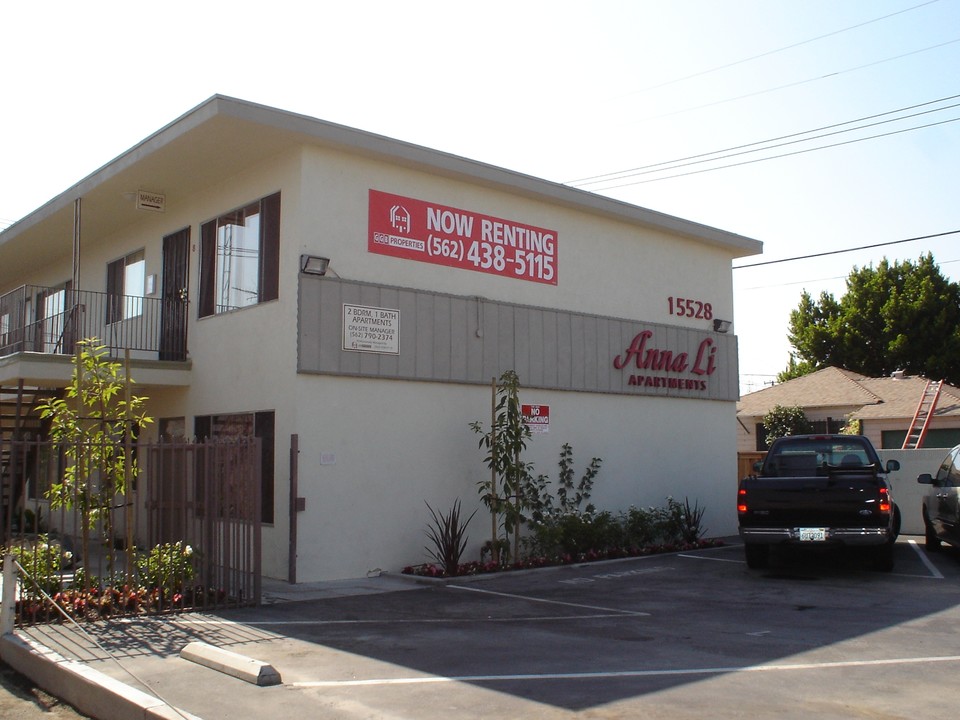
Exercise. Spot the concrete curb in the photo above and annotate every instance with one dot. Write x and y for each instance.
(89, 691)
(231, 663)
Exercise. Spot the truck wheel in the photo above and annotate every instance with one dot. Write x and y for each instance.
(758, 556)
(930, 540)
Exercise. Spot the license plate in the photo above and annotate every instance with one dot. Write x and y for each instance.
(813, 534)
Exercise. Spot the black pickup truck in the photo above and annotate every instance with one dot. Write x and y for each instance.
(819, 491)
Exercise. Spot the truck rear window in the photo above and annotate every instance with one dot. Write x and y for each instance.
(806, 458)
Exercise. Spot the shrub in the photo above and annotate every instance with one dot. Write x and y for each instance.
(42, 561)
(645, 527)
(687, 521)
(448, 536)
(166, 567)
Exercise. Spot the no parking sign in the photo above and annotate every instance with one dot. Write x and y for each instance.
(536, 417)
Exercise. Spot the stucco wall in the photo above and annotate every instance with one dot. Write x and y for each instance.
(605, 266)
(907, 492)
(388, 447)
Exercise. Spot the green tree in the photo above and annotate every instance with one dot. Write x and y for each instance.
(895, 316)
(795, 368)
(96, 423)
(506, 491)
(782, 421)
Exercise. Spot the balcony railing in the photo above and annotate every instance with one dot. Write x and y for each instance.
(51, 320)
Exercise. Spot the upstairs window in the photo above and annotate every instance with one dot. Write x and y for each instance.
(240, 257)
(126, 279)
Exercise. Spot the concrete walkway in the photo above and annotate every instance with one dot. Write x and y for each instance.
(102, 669)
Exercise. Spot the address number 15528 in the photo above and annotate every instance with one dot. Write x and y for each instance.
(687, 307)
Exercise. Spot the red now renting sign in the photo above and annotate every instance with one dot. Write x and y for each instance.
(428, 232)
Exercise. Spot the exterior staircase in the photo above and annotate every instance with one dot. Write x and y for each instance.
(19, 420)
(921, 418)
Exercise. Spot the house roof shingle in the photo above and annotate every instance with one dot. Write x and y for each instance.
(861, 397)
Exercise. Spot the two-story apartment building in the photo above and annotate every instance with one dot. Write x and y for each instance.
(352, 297)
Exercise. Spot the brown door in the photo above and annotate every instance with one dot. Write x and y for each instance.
(176, 272)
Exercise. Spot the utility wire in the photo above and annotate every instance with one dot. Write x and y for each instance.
(802, 82)
(839, 252)
(742, 149)
(782, 155)
(782, 49)
(941, 263)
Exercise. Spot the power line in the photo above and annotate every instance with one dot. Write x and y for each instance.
(803, 82)
(782, 49)
(941, 263)
(742, 149)
(847, 250)
(782, 155)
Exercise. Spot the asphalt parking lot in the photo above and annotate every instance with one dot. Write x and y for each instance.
(688, 635)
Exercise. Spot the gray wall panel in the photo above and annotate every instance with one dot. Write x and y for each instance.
(426, 324)
(535, 364)
(564, 352)
(448, 338)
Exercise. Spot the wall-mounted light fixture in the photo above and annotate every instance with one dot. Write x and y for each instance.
(314, 264)
(722, 326)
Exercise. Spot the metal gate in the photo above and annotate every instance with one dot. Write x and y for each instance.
(202, 497)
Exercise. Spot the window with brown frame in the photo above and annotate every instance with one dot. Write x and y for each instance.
(126, 282)
(240, 257)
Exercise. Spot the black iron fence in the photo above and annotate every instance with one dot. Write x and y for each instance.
(52, 320)
(183, 535)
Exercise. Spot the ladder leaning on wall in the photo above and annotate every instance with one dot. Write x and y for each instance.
(921, 418)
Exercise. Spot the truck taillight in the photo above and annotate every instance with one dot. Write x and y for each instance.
(741, 501)
(884, 500)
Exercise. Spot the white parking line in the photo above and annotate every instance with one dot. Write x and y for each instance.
(428, 679)
(550, 602)
(913, 543)
(926, 561)
(715, 559)
(411, 621)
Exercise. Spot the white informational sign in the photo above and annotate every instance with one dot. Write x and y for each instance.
(371, 329)
(536, 417)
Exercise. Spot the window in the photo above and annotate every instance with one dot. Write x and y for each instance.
(125, 286)
(260, 425)
(53, 330)
(240, 257)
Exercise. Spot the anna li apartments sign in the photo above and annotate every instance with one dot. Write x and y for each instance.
(428, 232)
(654, 367)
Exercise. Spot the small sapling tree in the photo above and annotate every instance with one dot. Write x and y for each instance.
(95, 423)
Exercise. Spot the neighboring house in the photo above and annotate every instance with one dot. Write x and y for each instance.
(352, 296)
(832, 397)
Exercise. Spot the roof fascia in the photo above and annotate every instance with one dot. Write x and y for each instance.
(395, 151)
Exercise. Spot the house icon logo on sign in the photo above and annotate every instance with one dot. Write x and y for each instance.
(400, 219)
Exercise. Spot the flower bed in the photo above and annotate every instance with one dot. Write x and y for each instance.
(616, 553)
(102, 604)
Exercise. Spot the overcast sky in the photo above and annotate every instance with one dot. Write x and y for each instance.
(565, 91)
